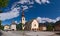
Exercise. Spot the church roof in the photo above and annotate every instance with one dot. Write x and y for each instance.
(6, 25)
(29, 22)
(42, 24)
(13, 23)
(23, 13)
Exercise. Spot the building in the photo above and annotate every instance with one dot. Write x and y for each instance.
(13, 26)
(6, 27)
(23, 20)
(57, 26)
(42, 27)
(32, 25)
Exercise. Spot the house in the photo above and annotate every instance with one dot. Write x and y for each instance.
(6, 27)
(13, 26)
(57, 26)
(42, 27)
(32, 25)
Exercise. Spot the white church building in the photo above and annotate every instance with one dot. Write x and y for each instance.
(13, 26)
(32, 24)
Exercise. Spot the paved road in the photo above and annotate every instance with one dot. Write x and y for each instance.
(27, 33)
(1, 33)
(9, 33)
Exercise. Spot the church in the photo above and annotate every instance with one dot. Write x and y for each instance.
(32, 25)
(13, 26)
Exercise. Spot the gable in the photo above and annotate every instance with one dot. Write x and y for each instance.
(34, 24)
(34, 21)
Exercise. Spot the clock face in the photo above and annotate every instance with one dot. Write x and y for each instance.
(23, 19)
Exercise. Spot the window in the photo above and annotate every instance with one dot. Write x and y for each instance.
(23, 19)
(34, 24)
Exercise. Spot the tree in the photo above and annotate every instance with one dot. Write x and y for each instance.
(58, 22)
(50, 26)
(19, 26)
(0, 24)
(2, 27)
(3, 3)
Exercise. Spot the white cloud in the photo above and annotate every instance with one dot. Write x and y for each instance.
(48, 1)
(16, 22)
(43, 20)
(58, 18)
(9, 15)
(22, 1)
(38, 1)
(33, 1)
(15, 10)
(26, 1)
(42, 1)
(25, 7)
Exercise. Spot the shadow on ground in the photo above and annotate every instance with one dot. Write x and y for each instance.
(58, 33)
(0, 33)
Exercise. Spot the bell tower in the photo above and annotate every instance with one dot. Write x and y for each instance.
(23, 19)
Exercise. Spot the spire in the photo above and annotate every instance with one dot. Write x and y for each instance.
(23, 19)
(22, 12)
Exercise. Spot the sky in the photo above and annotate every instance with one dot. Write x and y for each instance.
(41, 10)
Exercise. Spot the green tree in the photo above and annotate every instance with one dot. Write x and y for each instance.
(3, 3)
(0, 24)
(2, 27)
(50, 27)
(58, 22)
(19, 26)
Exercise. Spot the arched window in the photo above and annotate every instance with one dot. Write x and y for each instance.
(34, 24)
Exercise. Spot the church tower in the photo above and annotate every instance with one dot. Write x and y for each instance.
(23, 19)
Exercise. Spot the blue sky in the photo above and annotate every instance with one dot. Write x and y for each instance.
(44, 10)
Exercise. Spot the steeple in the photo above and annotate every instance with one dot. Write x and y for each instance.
(23, 19)
(22, 13)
